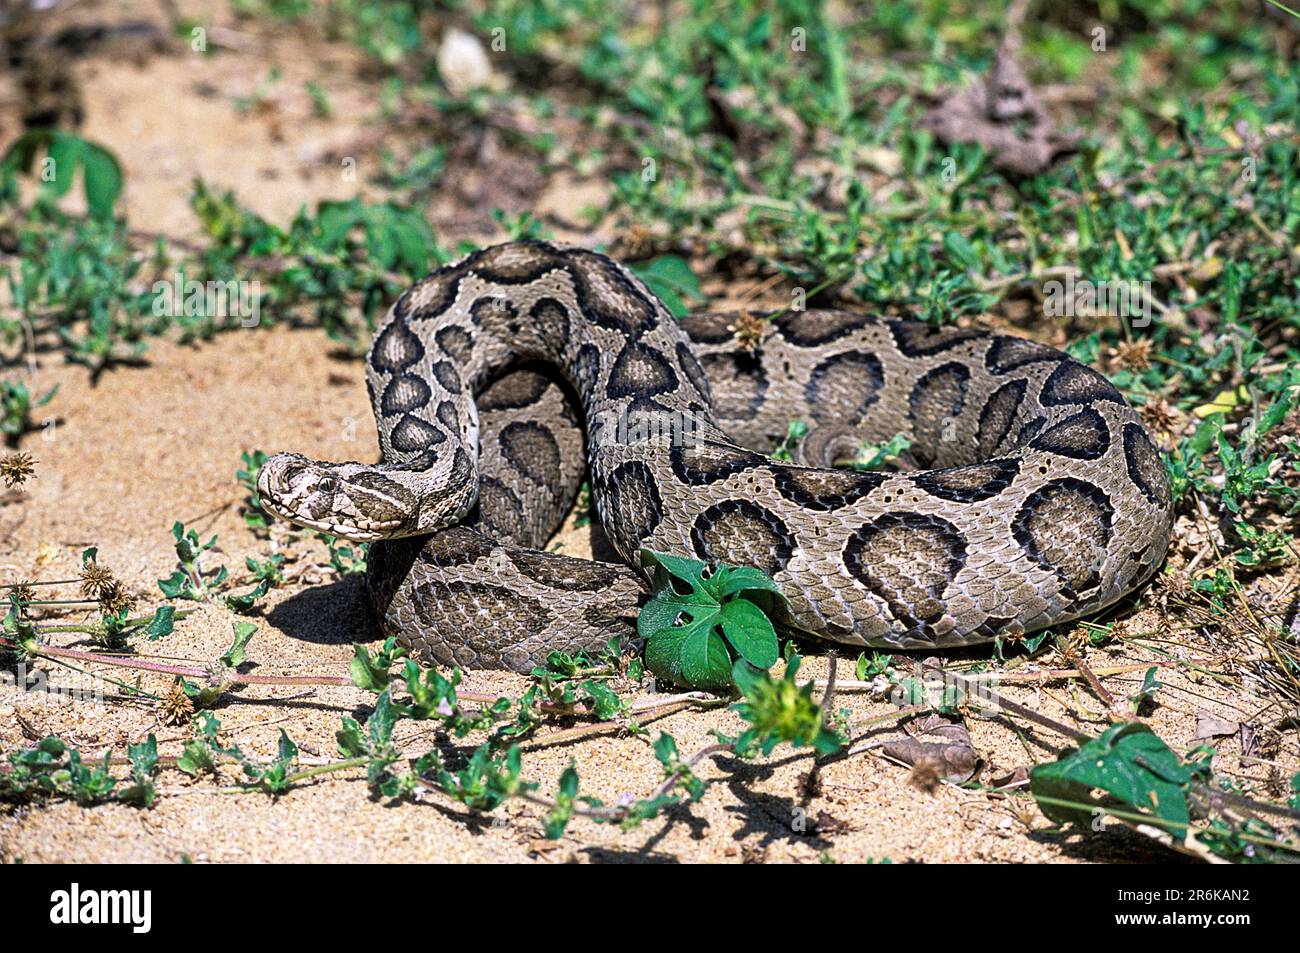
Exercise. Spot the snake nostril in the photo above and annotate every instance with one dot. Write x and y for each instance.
(283, 477)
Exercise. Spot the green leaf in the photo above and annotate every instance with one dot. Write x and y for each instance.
(351, 739)
(370, 672)
(1129, 762)
(961, 252)
(63, 153)
(176, 586)
(161, 624)
(690, 655)
(196, 758)
(704, 659)
(671, 279)
(380, 723)
(1148, 690)
(144, 759)
(605, 702)
(235, 655)
(750, 632)
(244, 602)
(700, 614)
(103, 179)
(558, 819)
(101, 173)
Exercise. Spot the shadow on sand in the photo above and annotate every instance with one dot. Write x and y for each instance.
(335, 613)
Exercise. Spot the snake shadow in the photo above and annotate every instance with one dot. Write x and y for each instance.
(335, 613)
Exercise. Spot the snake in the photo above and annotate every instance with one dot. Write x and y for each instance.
(1031, 495)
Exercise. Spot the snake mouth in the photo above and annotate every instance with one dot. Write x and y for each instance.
(360, 534)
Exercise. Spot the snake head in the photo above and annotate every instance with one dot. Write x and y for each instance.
(351, 500)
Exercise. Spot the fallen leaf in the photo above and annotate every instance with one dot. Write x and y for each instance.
(952, 758)
(1015, 778)
(1004, 115)
(1208, 726)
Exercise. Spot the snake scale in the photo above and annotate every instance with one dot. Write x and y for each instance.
(498, 381)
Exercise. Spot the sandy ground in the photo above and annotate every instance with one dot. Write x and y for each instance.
(147, 446)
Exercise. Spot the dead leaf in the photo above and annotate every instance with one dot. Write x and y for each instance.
(827, 823)
(1208, 726)
(1003, 114)
(1015, 778)
(952, 758)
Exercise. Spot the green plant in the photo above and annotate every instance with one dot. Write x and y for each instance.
(780, 710)
(701, 617)
(254, 516)
(348, 559)
(191, 581)
(64, 155)
(1127, 761)
(16, 405)
(671, 279)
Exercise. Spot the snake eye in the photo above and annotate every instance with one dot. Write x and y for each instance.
(328, 485)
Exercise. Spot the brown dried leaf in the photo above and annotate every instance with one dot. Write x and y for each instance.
(1004, 115)
(1015, 778)
(951, 758)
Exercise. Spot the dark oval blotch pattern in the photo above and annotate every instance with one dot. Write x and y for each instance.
(1145, 468)
(1065, 527)
(909, 560)
(710, 327)
(560, 572)
(404, 393)
(823, 490)
(445, 373)
(493, 312)
(743, 534)
(609, 297)
(969, 484)
(411, 434)
(551, 318)
(916, 339)
(456, 342)
(698, 464)
(513, 392)
(640, 371)
(501, 511)
(396, 348)
(532, 450)
(1073, 383)
(1006, 353)
(455, 546)
(998, 416)
(743, 382)
(587, 369)
(1082, 436)
(936, 401)
(815, 328)
(515, 263)
(633, 506)
(843, 387)
(690, 366)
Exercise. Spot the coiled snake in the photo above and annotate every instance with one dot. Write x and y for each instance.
(1044, 498)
